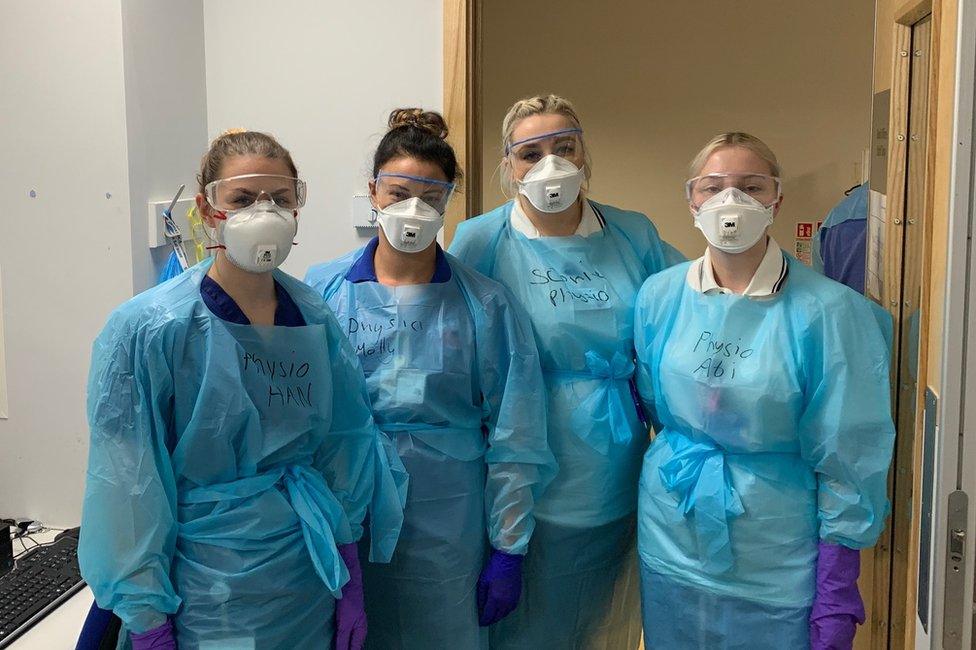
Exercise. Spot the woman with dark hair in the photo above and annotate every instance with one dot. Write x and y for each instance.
(456, 385)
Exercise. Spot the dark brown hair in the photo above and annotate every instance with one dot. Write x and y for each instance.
(420, 134)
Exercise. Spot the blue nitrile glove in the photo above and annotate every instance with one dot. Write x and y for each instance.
(499, 587)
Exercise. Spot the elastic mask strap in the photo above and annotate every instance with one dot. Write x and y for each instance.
(223, 217)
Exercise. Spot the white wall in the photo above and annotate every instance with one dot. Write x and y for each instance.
(166, 113)
(109, 104)
(104, 109)
(66, 255)
(322, 77)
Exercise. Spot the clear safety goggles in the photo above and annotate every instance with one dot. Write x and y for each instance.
(239, 192)
(763, 188)
(393, 188)
(565, 143)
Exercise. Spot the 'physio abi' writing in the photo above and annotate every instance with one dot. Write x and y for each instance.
(717, 357)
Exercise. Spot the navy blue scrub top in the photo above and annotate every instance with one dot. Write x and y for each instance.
(364, 268)
(287, 313)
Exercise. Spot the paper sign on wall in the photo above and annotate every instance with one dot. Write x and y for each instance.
(880, 111)
(802, 248)
(803, 251)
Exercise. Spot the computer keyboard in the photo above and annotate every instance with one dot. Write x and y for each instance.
(42, 578)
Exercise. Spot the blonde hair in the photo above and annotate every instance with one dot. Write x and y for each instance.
(735, 139)
(538, 105)
(240, 142)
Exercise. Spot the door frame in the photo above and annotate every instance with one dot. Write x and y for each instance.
(954, 440)
(462, 104)
(895, 564)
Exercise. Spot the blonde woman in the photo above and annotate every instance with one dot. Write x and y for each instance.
(575, 265)
(768, 386)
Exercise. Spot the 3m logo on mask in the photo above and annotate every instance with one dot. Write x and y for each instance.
(553, 195)
(266, 256)
(410, 235)
(730, 228)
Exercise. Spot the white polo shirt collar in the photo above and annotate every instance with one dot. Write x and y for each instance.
(767, 281)
(590, 221)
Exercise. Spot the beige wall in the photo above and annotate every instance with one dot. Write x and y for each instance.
(884, 24)
(653, 81)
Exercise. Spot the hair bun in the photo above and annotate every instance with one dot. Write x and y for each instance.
(428, 121)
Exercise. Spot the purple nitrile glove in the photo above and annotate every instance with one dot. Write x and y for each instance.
(158, 638)
(350, 614)
(499, 587)
(837, 608)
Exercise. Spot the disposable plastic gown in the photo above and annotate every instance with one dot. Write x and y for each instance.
(775, 432)
(455, 384)
(226, 463)
(839, 245)
(579, 293)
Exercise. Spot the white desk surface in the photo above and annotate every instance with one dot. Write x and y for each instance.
(59, 629)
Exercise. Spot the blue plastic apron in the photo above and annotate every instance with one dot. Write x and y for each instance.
(579, 293)
(256, 561)
(417, 344)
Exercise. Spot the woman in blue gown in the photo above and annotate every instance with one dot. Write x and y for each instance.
(768, 387)
(456, 387)
(233, 453)
(575, 266)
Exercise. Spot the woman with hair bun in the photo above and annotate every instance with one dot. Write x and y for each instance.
(457, 389)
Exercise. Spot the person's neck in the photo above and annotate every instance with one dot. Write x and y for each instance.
(553, 224)
(395, 268)
(254, 293)
(734, 271)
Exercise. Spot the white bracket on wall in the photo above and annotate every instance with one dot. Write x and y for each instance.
(157, 234)
(363, 216)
